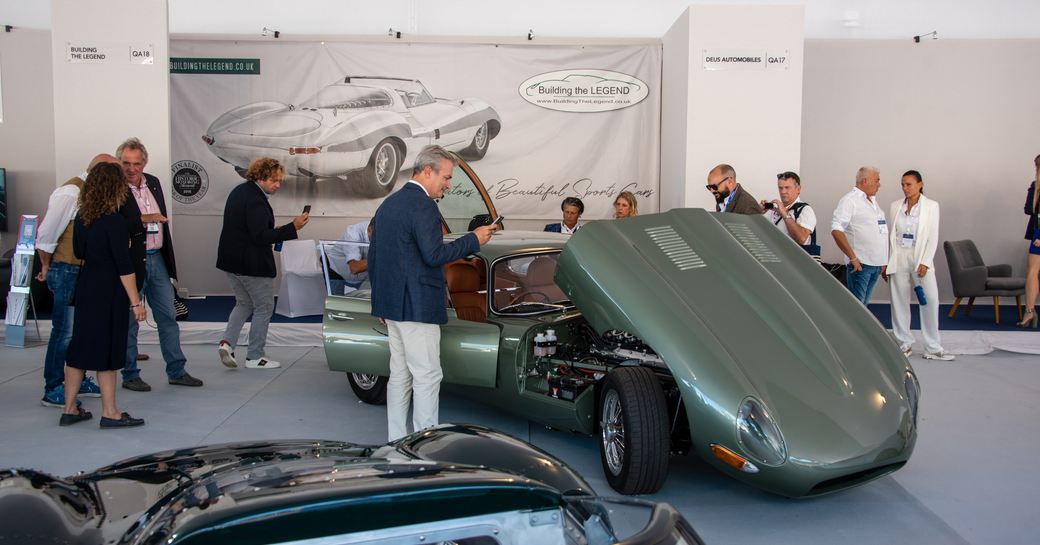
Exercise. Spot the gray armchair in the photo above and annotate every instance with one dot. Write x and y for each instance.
(972, 278)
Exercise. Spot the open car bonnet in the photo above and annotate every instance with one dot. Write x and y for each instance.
(735, 308)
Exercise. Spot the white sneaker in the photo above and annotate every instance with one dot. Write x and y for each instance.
(227, 356)
(907, 351)
(262, 363)
(944, 356)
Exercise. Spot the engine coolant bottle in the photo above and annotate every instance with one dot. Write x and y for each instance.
(539, 345)
(550, 342)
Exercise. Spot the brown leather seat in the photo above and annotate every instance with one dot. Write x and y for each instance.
(463, 279)
(540, 280)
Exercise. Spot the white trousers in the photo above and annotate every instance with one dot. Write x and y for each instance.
(902, 285)
(415, 376)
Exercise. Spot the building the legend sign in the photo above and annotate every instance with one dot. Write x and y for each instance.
(93, 53)
(109, 53)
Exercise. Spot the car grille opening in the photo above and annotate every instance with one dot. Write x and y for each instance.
(852, 479)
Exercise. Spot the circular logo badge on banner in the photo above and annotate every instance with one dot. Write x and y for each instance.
(584, 91)
(190, 182)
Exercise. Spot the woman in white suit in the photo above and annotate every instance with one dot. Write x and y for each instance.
(912, 243)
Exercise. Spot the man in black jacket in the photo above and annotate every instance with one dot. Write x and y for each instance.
(155, 258)
(244, 253)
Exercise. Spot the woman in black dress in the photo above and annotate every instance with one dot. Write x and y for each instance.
(1033, 258)
(105, 288)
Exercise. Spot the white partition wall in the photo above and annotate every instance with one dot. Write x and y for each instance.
(111, 81)
(733, 94)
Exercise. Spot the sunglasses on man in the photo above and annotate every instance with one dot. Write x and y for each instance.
(715, 187)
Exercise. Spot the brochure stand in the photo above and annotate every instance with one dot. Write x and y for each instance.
(19, 300)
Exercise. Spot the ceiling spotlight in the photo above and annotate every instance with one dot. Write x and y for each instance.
(266, 30)
(934, 34)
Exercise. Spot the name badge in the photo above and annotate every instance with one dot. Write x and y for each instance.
(153, 228)
(907, 241)
(882, 226)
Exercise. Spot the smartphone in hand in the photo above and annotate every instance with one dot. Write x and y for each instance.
(307, 209)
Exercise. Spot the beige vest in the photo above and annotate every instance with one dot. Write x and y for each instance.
(64, 251)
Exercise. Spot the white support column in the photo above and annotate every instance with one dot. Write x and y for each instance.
(721, 106)
(111, 81)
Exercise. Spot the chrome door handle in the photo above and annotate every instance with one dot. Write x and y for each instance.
(340, 317)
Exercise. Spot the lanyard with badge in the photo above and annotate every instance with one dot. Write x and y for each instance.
(906, 239)
(144, 194)
(881, 223)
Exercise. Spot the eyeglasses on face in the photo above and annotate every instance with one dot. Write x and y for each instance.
(715, 186)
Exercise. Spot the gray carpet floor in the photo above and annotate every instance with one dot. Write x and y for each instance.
(970, 480)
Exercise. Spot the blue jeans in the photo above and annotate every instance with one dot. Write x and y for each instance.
(158, 291)
(61, 279)
(861, 283)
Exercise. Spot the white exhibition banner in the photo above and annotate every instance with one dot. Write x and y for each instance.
(537, 123)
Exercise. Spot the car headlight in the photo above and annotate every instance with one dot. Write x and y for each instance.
(759, 434)
(913, 392)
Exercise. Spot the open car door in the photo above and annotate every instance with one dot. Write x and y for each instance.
(356, 342)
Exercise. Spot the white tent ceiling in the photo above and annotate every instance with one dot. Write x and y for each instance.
(848, 19)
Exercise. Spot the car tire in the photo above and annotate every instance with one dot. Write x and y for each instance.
(368, 388)
(380, 175)
(479, 146)
(634, 439)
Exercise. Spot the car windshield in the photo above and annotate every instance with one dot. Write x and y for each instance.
(524, 285)
(412, 92)
(346, 96)
(463, 203)
(582, 520)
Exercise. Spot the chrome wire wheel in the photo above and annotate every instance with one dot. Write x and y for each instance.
(369, 388)
(385, 164)
(365, 381)
(612, 426)
(634, 433)
(480, 139)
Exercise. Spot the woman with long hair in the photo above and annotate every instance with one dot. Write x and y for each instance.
(105, 289)
(1033, 259)
(625, 205)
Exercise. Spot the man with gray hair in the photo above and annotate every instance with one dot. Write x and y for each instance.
(729, 195)
(861, 232)
(405, 266)
(145, 195)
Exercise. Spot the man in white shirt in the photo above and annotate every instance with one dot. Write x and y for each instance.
(789, 213)
(59, 268)
(350, 260)
(861, 232)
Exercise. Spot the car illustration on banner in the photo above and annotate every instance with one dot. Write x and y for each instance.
(364, 127)
(450, 484)
(682, 332)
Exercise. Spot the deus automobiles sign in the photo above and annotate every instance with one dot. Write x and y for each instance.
(584, 90)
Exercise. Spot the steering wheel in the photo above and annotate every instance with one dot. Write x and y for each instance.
(518, 297)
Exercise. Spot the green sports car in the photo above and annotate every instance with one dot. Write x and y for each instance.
(663, 334)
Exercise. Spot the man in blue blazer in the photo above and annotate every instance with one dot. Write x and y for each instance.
(572, 208)
(405, 266)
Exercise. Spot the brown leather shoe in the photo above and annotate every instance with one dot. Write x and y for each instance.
(143, 357)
